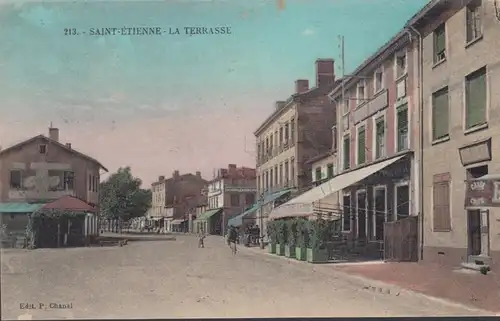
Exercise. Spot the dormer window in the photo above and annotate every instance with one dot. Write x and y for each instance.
(42, 149)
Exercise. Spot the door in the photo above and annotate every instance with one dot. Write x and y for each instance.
(361, 214)
(379, 200)
(474, 232)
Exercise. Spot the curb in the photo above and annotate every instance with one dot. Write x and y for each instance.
(378, 286)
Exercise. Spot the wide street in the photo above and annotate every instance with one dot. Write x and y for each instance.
(159, 278)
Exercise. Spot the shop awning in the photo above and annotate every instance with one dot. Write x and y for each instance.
(303, 205)
(238, 220)
(272, 197)
(208, 214)
(20, 207)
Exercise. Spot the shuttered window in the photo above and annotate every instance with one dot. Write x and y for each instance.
(380, 138)
(440, 118)
(474, 20)
(440, 43)
(361, 145)
(402, 123)
(475, 98)
(441, 203)
(347, 152)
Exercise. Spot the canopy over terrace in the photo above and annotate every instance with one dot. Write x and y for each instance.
(249, 214)
(305, 204)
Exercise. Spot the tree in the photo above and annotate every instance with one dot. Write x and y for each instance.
(122, 196)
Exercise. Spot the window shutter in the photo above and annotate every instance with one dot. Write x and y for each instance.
(361, 145)
(402, 115)
(441, 201)
(476, 98)
(440, 125)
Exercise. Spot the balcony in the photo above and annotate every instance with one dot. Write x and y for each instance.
(378, 103)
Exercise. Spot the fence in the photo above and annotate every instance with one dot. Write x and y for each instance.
(401, 240)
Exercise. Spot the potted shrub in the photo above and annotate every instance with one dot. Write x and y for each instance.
(291, 243)
(302, 239)
(317, 251)
(271, 234)
(281, 232)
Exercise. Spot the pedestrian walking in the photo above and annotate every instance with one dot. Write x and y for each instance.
(201, 238)
(232, 235)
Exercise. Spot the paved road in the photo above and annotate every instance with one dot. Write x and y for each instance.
(161, 278)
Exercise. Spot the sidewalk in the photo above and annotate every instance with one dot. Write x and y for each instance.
(466, 288)
(469, 288)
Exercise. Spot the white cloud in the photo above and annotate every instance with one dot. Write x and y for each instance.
(308, 32)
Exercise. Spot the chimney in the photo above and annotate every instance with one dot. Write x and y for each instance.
(198, 174)
(161, 178)
(68, 145)
(280, 104)
(54, 134)
(175, 174)
(325, 72)
(231, 166)
(301, 85)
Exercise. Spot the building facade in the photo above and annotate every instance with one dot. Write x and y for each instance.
(298, 129)
(460, 68)
(171, 197)
(376, 124)
(41, 170)
(232, 190)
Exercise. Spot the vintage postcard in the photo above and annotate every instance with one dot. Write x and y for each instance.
(249, 158)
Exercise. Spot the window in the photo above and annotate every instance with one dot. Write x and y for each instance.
(276, 180)
(16, 180)
(402, 196)
(267, 181)
(440, 107)
(56, 180)
(317, 176)
(271, 178)
(402, 127)
(380, 210)
(42, 149)
(345, 117)
(361, 145)
(292, 171)
(334, 138)
(235, 199)
(378, 81)
(276, 140)
(441, 203)
(475, 98)
(440, 44)
(286, 132)
(90, 183)
(292, 130)
(474, 25)
(287, 177)
(281, 175)
(346, 217)
(329, 170)
(379, 137)
(271, 142)
(346, 106)
(401, 63)
(249, 198)
(360, 95)
(347, 152)
(281, 135)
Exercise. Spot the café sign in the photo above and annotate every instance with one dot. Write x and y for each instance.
(482, 193)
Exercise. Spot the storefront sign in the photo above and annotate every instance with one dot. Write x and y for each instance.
(482, 193)
(476, 152)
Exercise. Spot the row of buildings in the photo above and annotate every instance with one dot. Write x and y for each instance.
(402, 136)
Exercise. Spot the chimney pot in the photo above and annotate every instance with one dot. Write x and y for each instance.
(198, 173)
(231, 166)
(301, 85)
(175, 173)
(325, 72)
(54, 134)
(161, 178)
(68, 145)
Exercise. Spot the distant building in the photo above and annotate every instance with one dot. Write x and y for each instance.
(170, 195)
(230, 192)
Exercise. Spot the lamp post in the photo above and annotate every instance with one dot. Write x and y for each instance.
(261, 236)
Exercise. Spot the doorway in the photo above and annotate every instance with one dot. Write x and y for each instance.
(474, 232)
(380, 211)
(361, 214)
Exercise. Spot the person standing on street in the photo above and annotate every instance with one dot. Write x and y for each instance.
(232, 235)
(201, 238)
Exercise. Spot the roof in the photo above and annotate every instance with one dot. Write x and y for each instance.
(320, 157)
(311, 93)
(69, 203)
(71, 150)
(19, 207)
(180, 176)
